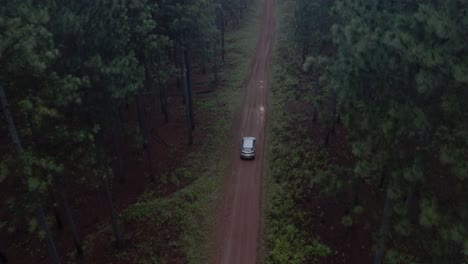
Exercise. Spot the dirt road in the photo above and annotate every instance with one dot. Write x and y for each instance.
(239, 224)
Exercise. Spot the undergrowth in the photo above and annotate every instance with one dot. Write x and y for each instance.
(294, 163)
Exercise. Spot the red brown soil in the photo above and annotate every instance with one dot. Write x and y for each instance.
(239, 225)
(323, 214)
(351, 244)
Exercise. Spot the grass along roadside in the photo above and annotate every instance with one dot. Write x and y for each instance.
(291, 160)
(181, 227)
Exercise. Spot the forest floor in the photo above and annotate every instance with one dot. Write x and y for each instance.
(309, 217)
(171, 220)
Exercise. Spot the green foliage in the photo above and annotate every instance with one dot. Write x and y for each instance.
(395, 257)
(429, 216)
(357, 210)
(68, 68)
(297, 166)
(288, 243)
(347, 220)
(398, 70)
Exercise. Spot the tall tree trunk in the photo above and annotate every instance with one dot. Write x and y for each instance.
(188, 68)
(384, 230)
(48, 236)
(382, 178)
(9, 119)
(186, 95)
(222, 36)
(354, 192)
(19, 149)
(454, 248)
(163, 95)
(331, 123)
(334, 109)
(145, 132)
(71, 220)
(409, 198)
(304, 54)
(115, 225)
(168, 52)
(118, 150)
(166, 113)
(177, 63)
(163, 101)
(215, 62)
(203, 61)
(58, 219)
(240, 9)
(113, 119)
(3, 258)
(102, 162)
(36, 144)
(316, 94)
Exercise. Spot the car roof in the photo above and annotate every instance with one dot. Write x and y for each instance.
(248, 142)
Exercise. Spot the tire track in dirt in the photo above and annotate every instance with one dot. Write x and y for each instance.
(239, 224)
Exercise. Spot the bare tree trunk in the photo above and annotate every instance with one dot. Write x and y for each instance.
(10, 122)
(204, 59)
(118, 150)
(164, 103)
(384, 230)
(215, 62)
(332, 122)
(144, 132)
(222, 36)
(177, 62)
(48, 236)
(71, 220)
(115, 225)
(161, 103)
(354, 192)
(382, 178)
(58, 220)
(454, 249)
(409, 198)
(188, 68)
(19, 149)
(240, 9)
(334, 108)
(304, 54)
(162, 94)
(316, 94)
(327, 137)
(3, 258)
(408, 203)
(186, 95)
(235, 20)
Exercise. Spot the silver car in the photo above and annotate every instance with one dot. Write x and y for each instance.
(248, 148)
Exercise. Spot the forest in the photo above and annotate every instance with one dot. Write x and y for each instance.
(370, 96)
(110, 110)
(83, 86)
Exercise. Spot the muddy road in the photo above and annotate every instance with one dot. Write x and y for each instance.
(239, 222)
